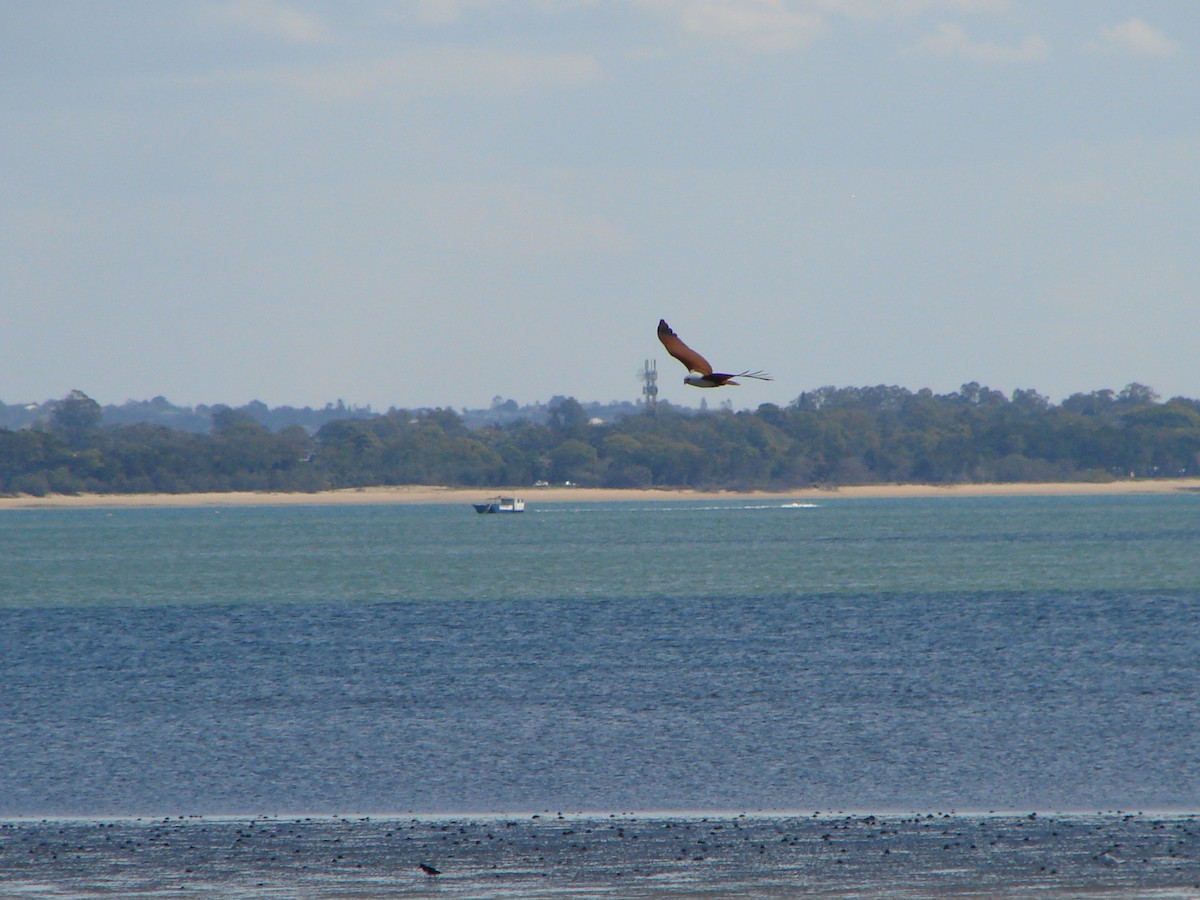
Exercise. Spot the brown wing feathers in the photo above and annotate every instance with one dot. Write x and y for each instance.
(681, 351)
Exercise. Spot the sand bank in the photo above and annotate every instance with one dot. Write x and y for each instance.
(434, 494)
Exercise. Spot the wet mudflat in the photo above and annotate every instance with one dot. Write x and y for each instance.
(606, 856)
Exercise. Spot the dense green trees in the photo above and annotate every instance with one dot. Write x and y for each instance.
(829, 436)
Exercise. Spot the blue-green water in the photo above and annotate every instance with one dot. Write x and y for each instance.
(348, 555)
(983, 654)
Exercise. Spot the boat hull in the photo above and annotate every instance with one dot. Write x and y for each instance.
(500, 505)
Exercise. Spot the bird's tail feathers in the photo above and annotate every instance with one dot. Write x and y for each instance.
(761, 376)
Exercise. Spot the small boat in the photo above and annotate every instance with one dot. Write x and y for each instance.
(500, 505)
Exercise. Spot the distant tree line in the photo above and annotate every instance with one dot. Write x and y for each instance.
(827, 437)
(161, 411)
(199, 419)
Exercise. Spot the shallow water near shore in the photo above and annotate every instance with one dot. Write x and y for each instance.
(392, 664)
(611, 856)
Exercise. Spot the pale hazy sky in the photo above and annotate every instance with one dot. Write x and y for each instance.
(433, 203)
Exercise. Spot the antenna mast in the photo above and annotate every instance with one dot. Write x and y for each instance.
(650, 385)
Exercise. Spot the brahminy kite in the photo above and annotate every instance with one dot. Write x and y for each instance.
(702, 374)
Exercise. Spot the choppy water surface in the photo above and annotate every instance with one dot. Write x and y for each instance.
(891, 657)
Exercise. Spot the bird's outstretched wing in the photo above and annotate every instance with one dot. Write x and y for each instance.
(681, 351)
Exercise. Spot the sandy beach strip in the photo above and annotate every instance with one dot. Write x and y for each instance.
(417, 494)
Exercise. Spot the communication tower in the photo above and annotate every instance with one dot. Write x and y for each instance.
(649, 376)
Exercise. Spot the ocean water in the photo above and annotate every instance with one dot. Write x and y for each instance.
(665, 662)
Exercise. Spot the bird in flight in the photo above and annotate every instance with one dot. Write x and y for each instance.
(702, 374)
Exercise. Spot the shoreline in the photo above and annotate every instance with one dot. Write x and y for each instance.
(953, 855)
(432, 494)
(1113, 811)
